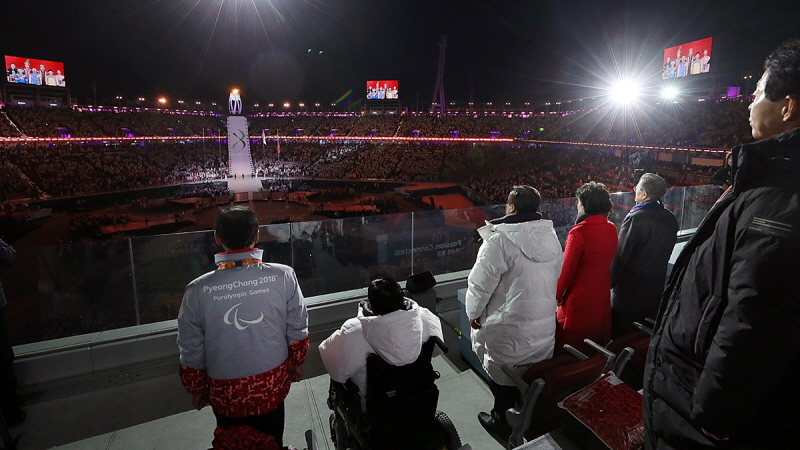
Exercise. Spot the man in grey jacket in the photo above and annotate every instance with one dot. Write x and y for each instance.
(511, 298)
(243, 336)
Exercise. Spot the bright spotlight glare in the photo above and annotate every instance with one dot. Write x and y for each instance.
(670, 92)
(624, 91)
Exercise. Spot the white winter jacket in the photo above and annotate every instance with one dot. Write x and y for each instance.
(396, 337)
(512, 291)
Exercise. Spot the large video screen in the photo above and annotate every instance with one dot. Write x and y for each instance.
(692, 58)
(382, 89)
(34, 71)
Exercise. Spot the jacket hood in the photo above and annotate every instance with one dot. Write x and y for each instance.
(517, 218)
(536, 239)
(776, 156)
(396, 337)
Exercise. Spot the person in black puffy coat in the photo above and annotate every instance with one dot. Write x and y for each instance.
(724, 360)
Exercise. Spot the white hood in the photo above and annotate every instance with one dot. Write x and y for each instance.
(534, 238)
(396, 337)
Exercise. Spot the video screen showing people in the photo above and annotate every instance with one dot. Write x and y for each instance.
(382, 90)
(692, 58)
(34, 71)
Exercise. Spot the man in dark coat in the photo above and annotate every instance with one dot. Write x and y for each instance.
(723, 365)
(722, 177)
(10, 403)
(639, 270)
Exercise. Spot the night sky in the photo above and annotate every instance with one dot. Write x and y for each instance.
(498, 51)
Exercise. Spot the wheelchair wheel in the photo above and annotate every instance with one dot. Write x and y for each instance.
(453, 442)
(340, 435)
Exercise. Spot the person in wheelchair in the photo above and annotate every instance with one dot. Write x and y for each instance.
(382, 379)
(388, 324)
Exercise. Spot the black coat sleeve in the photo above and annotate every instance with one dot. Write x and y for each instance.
(7, 253)
(625, 249)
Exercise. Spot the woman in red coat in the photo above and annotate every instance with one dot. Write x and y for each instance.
(584, 288)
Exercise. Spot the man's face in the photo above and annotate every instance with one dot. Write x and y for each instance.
(640, 195)
(766, 116)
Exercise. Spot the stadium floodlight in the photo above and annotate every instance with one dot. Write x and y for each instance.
(670, 92)
(625, 91)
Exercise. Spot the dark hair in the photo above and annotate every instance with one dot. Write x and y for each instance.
(595, 198)
(385, 295)
(236, 227)
(654, 185)
(783, 66)
(524, 198)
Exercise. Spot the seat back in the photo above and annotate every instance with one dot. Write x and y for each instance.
(400, 399)
(617, 345)
(639, 341)
(560, 382)
(537, 370)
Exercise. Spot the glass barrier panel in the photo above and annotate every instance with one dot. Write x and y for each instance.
(673, 201)
(69, 289)
(343, 254)
(698, 200)
(275, 241)
(79, 288)
(445, 240)
(563, 212)
(164, 265)
(621, 202)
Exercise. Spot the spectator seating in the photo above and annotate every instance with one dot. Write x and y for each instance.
(548, 382)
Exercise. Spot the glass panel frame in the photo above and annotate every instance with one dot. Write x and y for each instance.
(345, 254)
(164, 265)
(70, 289)
(698, 201)
(446, 240)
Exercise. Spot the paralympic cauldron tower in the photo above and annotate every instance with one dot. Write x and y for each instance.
(239, 157)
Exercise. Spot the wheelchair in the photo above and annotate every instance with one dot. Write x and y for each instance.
(400, 411)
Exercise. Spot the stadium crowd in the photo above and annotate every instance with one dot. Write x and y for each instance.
(698, 124)
(74, 122)
(77, 169)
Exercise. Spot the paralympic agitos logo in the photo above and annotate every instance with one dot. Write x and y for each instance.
(239, 323)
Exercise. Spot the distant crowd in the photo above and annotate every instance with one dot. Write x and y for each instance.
(720, 123)
(57, 170)
(490, 170)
